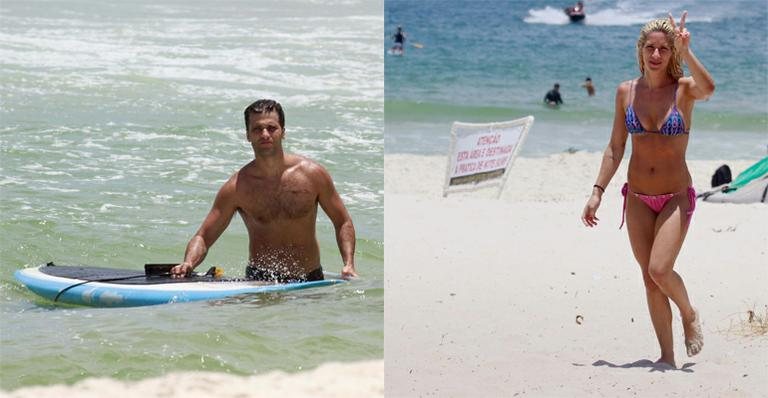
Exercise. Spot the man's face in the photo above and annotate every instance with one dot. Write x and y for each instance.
(264, 132)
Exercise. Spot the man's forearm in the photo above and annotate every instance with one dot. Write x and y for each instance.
(196, 251)
(345, 238)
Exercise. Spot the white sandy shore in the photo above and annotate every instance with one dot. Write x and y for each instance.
(482, 295)
(337, 380)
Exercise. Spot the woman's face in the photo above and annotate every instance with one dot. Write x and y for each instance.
(657, 52)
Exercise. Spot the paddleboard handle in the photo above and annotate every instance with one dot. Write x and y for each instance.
(214, 272)
(158, 269)
(165, 270)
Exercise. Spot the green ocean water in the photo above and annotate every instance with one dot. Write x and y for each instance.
(119, 123)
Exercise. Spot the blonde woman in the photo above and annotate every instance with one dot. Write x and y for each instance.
(655, 110)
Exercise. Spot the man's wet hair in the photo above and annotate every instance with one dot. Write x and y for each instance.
(265, 106)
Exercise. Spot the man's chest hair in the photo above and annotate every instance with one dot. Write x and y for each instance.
(289, 198)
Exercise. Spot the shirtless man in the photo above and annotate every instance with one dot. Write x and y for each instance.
(589, 86)
(553, 98)
(276, 195)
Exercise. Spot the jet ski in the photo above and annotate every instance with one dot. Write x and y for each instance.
(576, 13)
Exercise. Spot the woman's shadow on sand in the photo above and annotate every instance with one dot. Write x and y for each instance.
(646, 363)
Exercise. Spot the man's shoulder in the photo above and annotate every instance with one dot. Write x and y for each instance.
(305, 165)
(300, 161)
(310, 171)
(242, 170)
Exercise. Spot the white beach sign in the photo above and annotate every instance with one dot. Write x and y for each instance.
(481, 154)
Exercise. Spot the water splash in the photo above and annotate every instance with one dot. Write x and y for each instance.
(619, 14)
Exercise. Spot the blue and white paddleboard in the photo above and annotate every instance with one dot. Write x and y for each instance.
(110, 287)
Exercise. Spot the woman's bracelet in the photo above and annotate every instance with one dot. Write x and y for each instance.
(599, 187)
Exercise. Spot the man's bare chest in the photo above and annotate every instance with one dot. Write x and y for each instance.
(267, 201)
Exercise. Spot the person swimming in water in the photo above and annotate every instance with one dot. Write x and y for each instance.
(552, 97)
(589, 86)
(655, 111)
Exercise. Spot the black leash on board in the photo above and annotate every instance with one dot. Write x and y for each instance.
(149, 270)
(62, 291)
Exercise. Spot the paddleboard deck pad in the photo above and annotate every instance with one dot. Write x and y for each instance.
(111, 287)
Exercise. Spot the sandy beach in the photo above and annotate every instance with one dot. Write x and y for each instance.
(515, 297)
(331, 380)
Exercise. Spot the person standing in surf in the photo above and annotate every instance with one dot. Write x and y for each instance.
(589, 86)
(276, 195)
(552, 98)
(399, 37)
(655, 110)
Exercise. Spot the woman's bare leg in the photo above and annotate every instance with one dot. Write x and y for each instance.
(641, 225)
(671, 228)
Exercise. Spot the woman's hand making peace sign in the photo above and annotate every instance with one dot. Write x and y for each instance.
(682, 35)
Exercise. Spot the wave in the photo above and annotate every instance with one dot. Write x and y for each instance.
(399, 110)
(403, 111)
(621, 13)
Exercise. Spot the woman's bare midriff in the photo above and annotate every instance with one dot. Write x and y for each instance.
(657, 165)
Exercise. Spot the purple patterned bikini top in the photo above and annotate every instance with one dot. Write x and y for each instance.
(674, 125)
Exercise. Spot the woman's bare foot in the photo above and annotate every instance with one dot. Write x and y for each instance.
(694, 338)
(667, 361)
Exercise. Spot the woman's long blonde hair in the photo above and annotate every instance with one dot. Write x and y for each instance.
(675, 66)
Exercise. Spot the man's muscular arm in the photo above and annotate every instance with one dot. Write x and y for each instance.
(215, 223)
(332, 205)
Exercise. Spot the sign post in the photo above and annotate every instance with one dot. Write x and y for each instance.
(481, 154)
